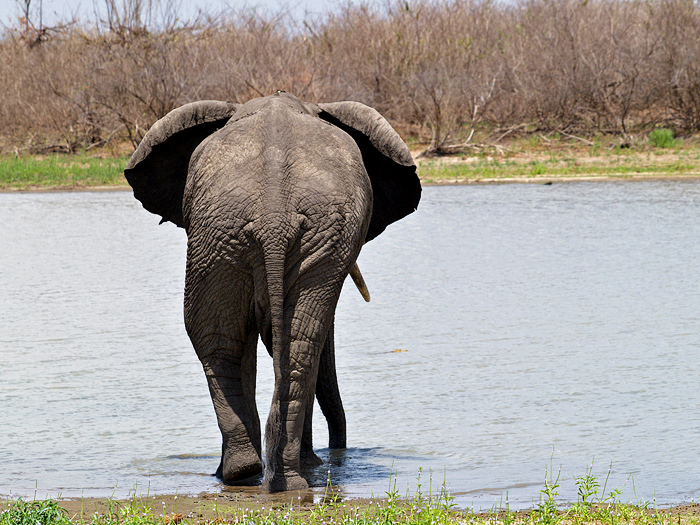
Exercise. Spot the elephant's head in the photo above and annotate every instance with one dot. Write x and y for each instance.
(158, 169)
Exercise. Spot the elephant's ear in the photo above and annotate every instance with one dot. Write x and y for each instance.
(387, 160)
(157, 171)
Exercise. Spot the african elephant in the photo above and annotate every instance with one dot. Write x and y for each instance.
(277, 197)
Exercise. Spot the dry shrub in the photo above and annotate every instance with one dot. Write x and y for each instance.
(586, 64)
(46, 94)
(679, 23)
(251, 56)
(438, 68)
(424, 64)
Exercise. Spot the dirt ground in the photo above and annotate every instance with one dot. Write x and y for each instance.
(205, 506)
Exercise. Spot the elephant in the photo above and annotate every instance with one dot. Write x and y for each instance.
(277, 197)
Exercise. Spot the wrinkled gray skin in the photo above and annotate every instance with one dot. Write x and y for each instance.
(277, 198)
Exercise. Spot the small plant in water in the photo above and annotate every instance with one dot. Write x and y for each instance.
(615, 493)
(587, 487)
(546, 510)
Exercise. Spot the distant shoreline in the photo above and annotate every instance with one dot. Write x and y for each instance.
(543, 180)
(66, 189)
(517, 162)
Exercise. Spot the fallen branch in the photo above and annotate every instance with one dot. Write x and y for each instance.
(104, 142)
(585, 141)
(512, 129)
(456, 148)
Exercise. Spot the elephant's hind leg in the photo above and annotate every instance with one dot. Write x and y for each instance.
(237, 415)
(309, 308)
(328, 394)
(307, 456)
(221, 327)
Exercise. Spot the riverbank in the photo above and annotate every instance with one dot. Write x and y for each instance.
(537, 159)
(91, 170)
(594, 506)
(291, 508)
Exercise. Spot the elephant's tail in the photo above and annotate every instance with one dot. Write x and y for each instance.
(281, 232)
(273, 235)
(274, 250)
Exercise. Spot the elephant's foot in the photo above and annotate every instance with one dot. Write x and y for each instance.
(309, 459)
(240, 469)
(281, 483)
(247, 475)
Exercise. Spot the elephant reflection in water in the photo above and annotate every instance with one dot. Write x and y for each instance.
(277, 198)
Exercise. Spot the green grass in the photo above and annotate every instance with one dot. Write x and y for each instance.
(34, 513)
(657, 155)
(529, 158)
(61, 171)
(662, 138)
(564, 167)
(594, 506)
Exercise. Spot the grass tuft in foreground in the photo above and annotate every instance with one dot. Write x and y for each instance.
(45, 512)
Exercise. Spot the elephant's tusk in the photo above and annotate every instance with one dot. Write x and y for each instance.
(359, 281)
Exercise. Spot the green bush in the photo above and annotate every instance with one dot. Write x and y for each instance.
(662, 138)
(34, 513)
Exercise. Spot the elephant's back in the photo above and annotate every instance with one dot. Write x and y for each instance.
(281, 161)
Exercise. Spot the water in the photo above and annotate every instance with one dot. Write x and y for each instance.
(542, 325)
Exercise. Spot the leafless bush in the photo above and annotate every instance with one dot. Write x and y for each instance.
(429, 65)
(436, 68)
(679, 22)
(256, 56)
(585, 64)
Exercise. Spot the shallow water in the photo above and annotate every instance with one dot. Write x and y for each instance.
(542, 325)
